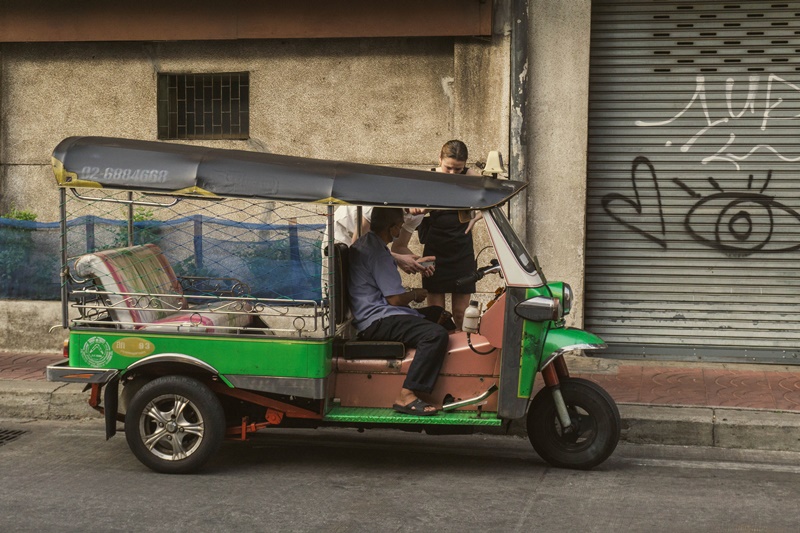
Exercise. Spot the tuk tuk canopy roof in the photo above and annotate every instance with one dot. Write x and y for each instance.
(178, 169)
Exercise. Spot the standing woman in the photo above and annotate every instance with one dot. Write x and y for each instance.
(450, 240)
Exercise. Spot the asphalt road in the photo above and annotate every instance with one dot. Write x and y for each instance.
(63, 476)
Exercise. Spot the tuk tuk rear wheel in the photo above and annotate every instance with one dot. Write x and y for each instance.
(595, 419)
(174, 424)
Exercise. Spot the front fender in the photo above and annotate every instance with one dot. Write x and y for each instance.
(564, 340)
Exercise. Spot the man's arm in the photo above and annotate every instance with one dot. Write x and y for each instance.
(411, 221)
(400, 246)
(407, 261)
(405, 298)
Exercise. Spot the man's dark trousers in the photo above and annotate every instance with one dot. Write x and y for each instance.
(430, 340)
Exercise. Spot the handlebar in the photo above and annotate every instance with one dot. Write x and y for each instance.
(491, 268)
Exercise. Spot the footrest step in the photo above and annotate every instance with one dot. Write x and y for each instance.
(374, 415)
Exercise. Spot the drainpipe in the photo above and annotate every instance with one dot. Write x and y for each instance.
(2, 131)
(518, 109)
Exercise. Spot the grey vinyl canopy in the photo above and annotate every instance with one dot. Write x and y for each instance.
(178, 169)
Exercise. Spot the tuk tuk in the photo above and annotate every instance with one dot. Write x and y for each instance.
(206, 299)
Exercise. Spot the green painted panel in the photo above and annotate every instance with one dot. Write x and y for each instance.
(536, 339)
(389, 416)
(533, 335)
(559, 338)
(257, 356)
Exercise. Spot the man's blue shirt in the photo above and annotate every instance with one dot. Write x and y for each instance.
(373, 277)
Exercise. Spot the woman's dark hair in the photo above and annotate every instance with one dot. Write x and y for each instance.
(455, 149)
(385, 217)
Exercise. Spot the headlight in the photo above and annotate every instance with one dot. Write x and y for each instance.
(566, 299)
(539, 309)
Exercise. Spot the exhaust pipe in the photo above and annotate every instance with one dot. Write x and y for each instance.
(470, 401)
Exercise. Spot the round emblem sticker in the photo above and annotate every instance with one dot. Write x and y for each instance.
(96, 352)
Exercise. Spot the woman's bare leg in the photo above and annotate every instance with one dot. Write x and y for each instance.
(460, 303)
(435, 298)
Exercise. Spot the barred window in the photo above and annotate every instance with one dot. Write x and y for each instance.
(204, 106)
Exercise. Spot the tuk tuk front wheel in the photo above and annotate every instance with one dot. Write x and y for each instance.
(595, 425)
(174, 424)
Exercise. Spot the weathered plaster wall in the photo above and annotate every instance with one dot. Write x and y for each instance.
(383, 101)
(558, 131)
(27, 326)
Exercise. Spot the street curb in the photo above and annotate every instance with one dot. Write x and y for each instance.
(42, 400)
(720, 427)
(755, 429)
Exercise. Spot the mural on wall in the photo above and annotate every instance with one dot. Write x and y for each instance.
(747, 219)
(769, 112)
(693, 208)
(612, 200)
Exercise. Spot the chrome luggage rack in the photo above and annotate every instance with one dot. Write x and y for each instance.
(270, 316)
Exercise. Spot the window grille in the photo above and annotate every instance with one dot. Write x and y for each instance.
(204, 106)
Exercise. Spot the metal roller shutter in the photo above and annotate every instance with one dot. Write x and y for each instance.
(693, 213)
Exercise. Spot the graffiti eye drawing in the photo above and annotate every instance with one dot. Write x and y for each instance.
(742, 222)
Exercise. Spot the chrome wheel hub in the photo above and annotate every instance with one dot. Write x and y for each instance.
(171, 427)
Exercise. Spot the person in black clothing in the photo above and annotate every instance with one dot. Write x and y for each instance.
(449, 238)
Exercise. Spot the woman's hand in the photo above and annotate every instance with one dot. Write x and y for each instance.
(412, 264)
(429, 265)
(473, 220)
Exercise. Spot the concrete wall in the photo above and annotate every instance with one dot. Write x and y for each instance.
(383, 101)
(25, 326)
(558, 132)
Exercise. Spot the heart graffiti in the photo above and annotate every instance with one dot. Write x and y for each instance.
(611, 202)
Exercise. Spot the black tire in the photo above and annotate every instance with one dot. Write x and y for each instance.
(129, 390)
(174, 424)
(594, 415)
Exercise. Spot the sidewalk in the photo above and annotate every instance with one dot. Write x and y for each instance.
(692, 404)
(727, 405)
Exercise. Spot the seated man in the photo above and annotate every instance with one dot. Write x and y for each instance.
(345, 223)
(380, 309)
